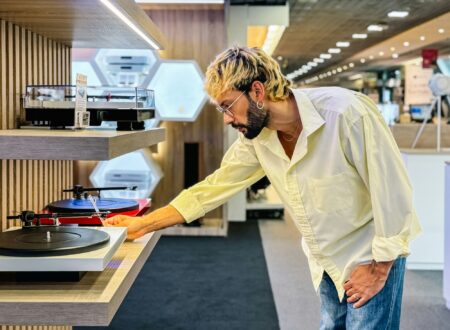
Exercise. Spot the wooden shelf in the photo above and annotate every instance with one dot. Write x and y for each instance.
(93, 301)
(83, 23)
(45, 144)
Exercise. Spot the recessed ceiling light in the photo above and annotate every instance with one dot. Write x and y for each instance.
(319, 60)
(325, 56)
(441, 30)
(363, 60)
(381, 53)
(359, 36)
(339, 69)
(422, 38)
(333, 71)
(375, 28)
(392, 49)
(351, 65)
(329, 73)
(398, 13)
(279, 58)
(395, 55)
(345, 67)
(342, 44)
(371, 57)
(312, 63)
(334, 50)
(406, 44)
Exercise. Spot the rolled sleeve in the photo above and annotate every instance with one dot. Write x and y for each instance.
(188, 205)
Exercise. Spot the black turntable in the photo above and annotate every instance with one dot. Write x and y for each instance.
(36, 239)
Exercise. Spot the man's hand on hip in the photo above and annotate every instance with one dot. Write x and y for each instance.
(366, 281)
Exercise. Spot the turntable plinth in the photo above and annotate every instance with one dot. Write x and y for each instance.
(93, 301)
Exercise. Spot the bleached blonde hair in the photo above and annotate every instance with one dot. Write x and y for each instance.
(238, 67)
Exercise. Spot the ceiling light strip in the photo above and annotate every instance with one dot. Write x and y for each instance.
(127, 21)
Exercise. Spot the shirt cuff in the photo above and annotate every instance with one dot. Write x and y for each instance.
(389, 248)
(188, 205)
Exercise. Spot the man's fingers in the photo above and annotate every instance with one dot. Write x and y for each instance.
(350, 292)
(353, 298)
(347, 285)
(360, 302)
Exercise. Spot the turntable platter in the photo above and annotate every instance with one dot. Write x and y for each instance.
(114, 205)
(51, 240)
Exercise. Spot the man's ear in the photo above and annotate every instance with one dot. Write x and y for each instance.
(259, 90)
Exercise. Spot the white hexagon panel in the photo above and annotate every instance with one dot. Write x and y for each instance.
(126, 67)
(136, 168)
(178, 86)
(85, 67)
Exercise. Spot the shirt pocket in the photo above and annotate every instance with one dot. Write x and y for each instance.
(331, 194)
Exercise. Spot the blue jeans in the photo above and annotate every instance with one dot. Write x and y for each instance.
(381, 312)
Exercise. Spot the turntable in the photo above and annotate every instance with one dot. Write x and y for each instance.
(54, 106)
(82, 201)
(57, 252)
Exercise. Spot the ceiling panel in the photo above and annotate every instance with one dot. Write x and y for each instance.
(316, 25)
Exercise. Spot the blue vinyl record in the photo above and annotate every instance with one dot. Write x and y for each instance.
(114, 205)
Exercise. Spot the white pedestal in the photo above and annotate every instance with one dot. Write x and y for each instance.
(426, 170)
(95, 260)
(447, 237)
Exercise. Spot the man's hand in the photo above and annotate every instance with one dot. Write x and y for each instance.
(366, 281)
(136, 225)
(139, 226)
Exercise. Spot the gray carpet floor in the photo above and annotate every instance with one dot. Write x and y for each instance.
(202, 284)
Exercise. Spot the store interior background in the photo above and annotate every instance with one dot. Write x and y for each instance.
(241, 266)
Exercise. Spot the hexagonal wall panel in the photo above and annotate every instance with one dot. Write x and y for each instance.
(136, 168)
(178, 86)
(86, 68)
(126, 67)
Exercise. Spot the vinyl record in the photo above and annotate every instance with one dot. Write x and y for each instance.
(51, 240)
(113, 205)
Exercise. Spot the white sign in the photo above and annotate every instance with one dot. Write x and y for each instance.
(81, 118)
(416, 85)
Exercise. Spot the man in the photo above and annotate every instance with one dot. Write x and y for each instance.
(335, 165)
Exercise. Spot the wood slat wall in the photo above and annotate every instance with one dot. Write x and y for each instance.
(29, 58)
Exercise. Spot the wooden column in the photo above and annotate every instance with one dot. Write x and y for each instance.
(198, 33)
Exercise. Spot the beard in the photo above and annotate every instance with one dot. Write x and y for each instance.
(257, 119)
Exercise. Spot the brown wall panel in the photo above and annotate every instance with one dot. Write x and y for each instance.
(199, 35)
(28, 58)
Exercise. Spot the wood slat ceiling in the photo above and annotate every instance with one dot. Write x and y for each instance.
(316, 25)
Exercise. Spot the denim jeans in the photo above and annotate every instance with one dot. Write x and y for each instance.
(381, 312)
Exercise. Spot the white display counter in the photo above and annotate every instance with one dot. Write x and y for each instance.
(447, 237)
(426, 169)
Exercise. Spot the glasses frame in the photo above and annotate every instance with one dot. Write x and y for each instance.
(227, 110)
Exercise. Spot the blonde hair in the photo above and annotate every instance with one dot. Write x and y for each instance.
(238, 67)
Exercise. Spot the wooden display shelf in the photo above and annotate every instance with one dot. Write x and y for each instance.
(83, 23)
(45, 144)
(93, 301)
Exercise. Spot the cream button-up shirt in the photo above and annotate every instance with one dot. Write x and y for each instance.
(346, 185)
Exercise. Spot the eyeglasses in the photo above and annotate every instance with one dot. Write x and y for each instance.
(227, 110)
